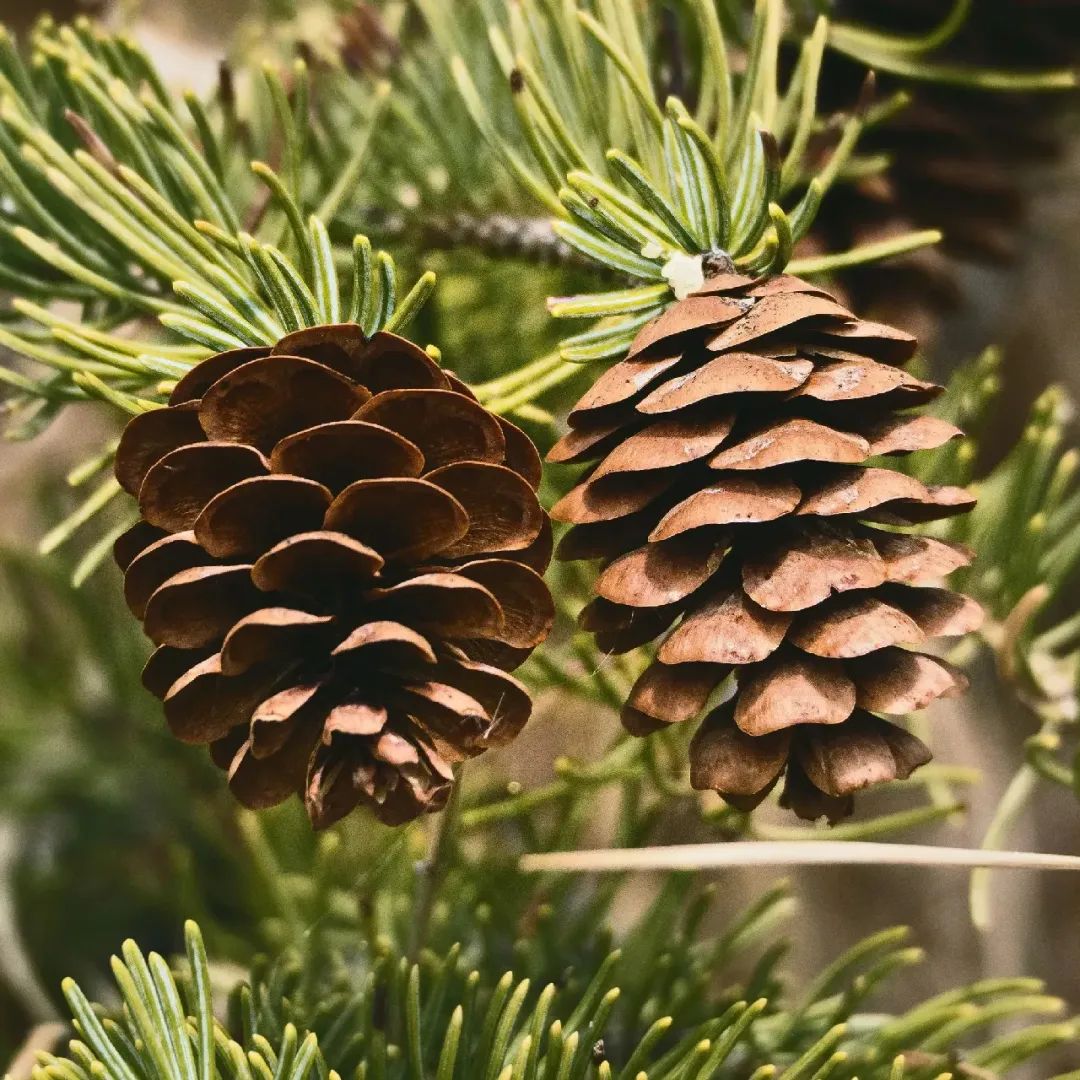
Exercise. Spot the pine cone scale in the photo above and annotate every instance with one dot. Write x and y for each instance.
(732, 373)
(395, 643)
(317, 565)
(773, 313)
(155, 564)
(661, 574)
(787, 442)
(727, 629)
(793, 689)
(723, 757)
(526, 604)
(336, 454)
(191, 387)
(264, 400)
(445, 604)
(611, 498)
(853, 627)
(800, 571)
(730, 500)
(272, 636)
(254, 515)
(196, 607)
(620, 383)
(404, 519)
(149, 437)
(445, 425)
(500, 505)
(676, 692)
(166, 665)
(201, 706)
(385, 362)
(897, 682)
(179, 485)
(689, 316)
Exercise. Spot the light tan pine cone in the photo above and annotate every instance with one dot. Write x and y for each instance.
(736, 500)
(340, 558)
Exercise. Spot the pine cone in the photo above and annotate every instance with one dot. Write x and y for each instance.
(949, 169)
(339, 559)
(367, 44)
(733, 496)
(957, 156)
(946, 172)
(1025, 35)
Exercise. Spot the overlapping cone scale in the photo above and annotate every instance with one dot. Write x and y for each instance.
(745, 515)
(339, 561)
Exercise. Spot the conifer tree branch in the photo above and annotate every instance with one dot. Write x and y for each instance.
(127, 200)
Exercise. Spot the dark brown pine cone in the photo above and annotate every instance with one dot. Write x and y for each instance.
(735, 497)
(1023, 35)
(947, 171)
(367, 44)
(957, 156)
(339, 559)
(914, 290)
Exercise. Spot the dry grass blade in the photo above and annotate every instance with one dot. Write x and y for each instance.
(790, 853)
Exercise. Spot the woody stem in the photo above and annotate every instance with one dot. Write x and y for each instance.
(432, 869)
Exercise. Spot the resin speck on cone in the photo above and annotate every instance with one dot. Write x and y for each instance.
(737, 505)
(339, 560)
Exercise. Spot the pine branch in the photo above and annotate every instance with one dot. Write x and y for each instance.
(145, 220)
(169, 1031)
(653, 189)
(381, 1015)
(135, 200)
(498, 235)
(338, 912)
(1025, 529)
(923, 57)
